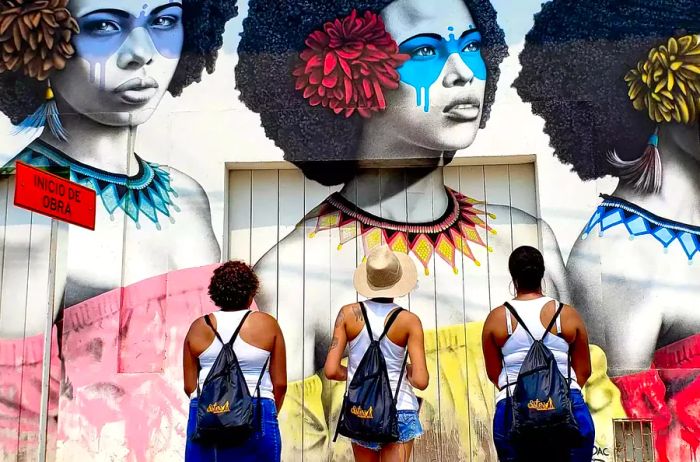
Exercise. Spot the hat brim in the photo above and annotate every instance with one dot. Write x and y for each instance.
(408, 280)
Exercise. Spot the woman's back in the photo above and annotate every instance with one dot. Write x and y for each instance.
(251, 353)
(535, 313)
(393, 347)
(506, 344)
(259, 348)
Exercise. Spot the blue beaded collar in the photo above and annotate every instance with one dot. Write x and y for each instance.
(147, 193)
(614, 211)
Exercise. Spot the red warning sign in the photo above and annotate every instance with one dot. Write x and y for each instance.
(49, 194)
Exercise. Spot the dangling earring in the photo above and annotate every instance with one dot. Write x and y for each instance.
(644, 173)
(45, 116)
(511, 288)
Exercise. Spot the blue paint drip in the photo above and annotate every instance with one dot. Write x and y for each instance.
(429, 54)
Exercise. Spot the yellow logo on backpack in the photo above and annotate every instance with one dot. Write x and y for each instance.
(538, 405)
(218, 408)
(362, 413)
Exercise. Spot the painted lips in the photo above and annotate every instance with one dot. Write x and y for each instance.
(463, 110)
(137, 90)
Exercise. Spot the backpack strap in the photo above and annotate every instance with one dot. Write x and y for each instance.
(235, 334)
(517, 317)
(262, 374)
(207, 319)
(257, 391)
(557, 319)
(364, 315)
(209, 323)
(238, 329)
(554, 320)
(398, 384)
(233, 339)
(390, 320)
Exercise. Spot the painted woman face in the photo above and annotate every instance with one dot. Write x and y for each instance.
(440, 97)
(126, 55)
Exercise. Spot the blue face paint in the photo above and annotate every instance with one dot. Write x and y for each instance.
(429, 54)
(103, 32)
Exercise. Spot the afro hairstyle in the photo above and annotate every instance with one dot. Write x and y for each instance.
(203, 22)
(233, 285)
(573, 68)
(313, 138)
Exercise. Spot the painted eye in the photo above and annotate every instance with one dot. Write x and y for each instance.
(102, 27)
(472, 46)
(424, 51)
(165, 22)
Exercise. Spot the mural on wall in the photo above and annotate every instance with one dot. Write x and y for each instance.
(343, 86)
(91, 72)
(373, 100)
(618, 85)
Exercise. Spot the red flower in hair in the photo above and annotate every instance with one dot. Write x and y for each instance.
(349, 64)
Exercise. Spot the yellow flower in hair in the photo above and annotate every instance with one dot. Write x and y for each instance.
(667, 83)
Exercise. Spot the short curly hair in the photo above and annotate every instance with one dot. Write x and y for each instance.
(573, 68)
(233, 285)
(313, 138)
(203, 21)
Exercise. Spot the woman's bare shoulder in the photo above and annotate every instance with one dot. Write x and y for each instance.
(198, 327)
(264, 320)
(409, 318)
(351, 311)
(496, 315)
(570, 313)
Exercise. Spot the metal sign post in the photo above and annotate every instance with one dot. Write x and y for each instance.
(48, 336)
(43, 192)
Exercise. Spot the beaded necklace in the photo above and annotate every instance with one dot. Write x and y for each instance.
(148, 192)
(614, 211)
(453, 232)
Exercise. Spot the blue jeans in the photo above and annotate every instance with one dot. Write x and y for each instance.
(265, 445)
(581, 453)
(409, 429)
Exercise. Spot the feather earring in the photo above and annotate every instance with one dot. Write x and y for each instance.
(644, 173)
(46, 115)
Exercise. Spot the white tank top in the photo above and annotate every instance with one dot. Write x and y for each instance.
(393, 354)
(250, 358)
(519, 343)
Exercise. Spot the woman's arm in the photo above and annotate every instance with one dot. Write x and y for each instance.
(490, 347)
(278, 367)
(333, 369)
(579, 349)
(417, 371)
(190, 366)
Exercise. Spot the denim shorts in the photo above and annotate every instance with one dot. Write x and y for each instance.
(581, 453)
(265, 445)
(409, 429)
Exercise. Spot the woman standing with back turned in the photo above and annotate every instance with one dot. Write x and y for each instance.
(506, 345)
(232, 288)
(382, 277)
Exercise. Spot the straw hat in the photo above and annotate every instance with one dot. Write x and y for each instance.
(386, 274)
